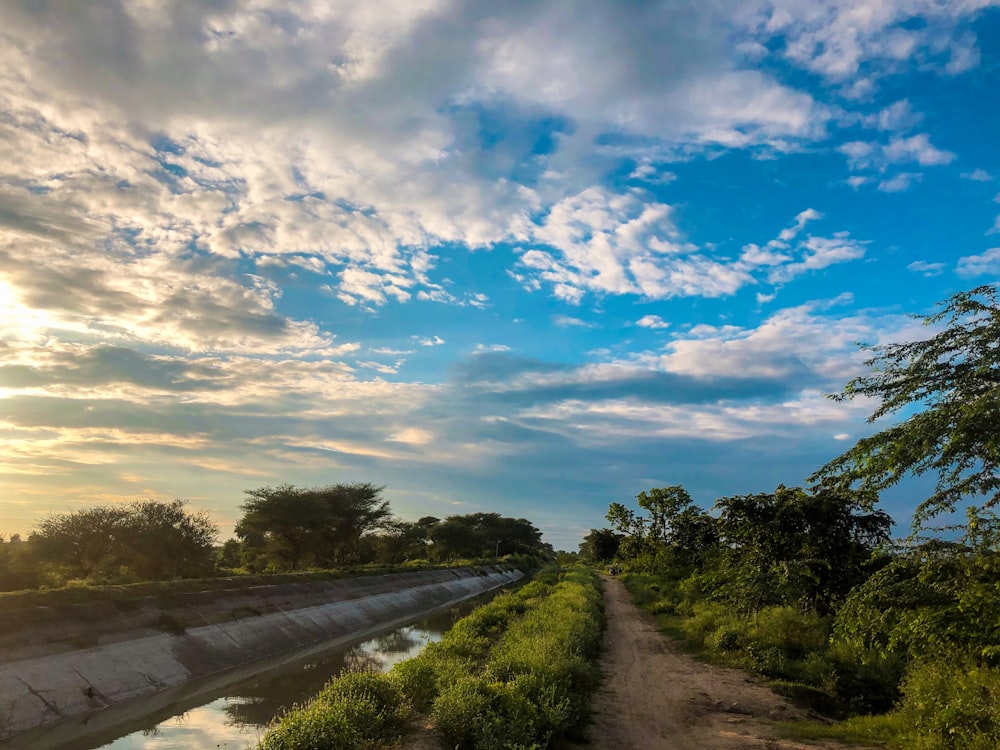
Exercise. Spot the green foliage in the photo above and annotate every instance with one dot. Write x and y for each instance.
(288, 527)
(673, 533)
(356, 711)
(797, 547)
(938, 597)
(512, 674)
(484, 535)
(143, 540)
(600, 545)
(951, 378)
(536, 680)
(951, 704)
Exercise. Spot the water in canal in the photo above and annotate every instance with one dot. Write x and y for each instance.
(236, 718)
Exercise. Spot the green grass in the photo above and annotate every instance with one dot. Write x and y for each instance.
(514, 674)
(884, 730)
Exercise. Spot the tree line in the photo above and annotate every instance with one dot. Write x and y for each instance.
(283, 528)
(806, 585)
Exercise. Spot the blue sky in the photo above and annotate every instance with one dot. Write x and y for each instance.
(531, 257)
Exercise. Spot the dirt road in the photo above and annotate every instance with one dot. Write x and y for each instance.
(655, 696)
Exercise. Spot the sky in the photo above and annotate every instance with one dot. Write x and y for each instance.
(523, 257)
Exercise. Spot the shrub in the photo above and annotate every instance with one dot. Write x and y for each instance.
(792, 631)
(356, 711)
(951, 705)
(704, 621)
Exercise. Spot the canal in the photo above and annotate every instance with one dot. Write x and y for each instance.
(235, 716)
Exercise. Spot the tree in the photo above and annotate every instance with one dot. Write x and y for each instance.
(952, 381)
(794, 546)
(145, 540)
(17, 568)
(484, 535)
(161, 540)
(286, 527)
(87, 541)
(600, 545)
(674, 529)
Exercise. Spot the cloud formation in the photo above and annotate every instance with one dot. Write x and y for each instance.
(249, 239)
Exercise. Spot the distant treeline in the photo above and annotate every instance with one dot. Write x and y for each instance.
(283, 528)
(805, 586)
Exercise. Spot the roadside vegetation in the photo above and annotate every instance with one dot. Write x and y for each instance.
(805, 587)
(514, 674)
(284, 530)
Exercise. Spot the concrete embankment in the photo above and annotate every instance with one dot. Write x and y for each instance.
(65, 662)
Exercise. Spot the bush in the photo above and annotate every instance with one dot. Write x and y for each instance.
(356, 711)
(793, 632)
(951, 705)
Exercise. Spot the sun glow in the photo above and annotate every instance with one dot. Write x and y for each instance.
(21, 323)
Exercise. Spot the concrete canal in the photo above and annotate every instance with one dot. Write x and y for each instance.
(218, 684)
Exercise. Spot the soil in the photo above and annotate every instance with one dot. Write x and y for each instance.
(656, 696)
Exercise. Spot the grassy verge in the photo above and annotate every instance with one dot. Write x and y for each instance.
(516, 673)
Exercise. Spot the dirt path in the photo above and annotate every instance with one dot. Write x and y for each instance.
(655, 696)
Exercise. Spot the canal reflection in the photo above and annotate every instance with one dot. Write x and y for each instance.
(238, 719)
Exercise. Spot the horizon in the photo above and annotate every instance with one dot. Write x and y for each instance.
(494, 259)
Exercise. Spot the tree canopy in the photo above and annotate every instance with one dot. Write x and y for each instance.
(144, 539)
(287, 527)
(951, 382)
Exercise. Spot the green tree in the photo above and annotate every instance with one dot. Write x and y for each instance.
(484, 535)
(288, 527)
(161, 540)
(672, 533)
(800, 547)
(935, 599)
(86, 542)
(230, 554)
(600, 545)
(143, 540)
(951, 384)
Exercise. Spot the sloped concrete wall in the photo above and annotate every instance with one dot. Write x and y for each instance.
(59, 665)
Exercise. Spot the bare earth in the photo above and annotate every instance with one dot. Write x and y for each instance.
(655, 696)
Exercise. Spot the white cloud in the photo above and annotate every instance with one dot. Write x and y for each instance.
(842, 38)
(818, 253)
(652, 321)
(859, 153)
(987, 263)
(619, 244)
(786, 345)
(978, 175)
(652, 172)
(897, 116)
(568, 321)
(801, 220)
(900, 182)
(916, 148)
(484, 348)
(925, 268)
(427, 340)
